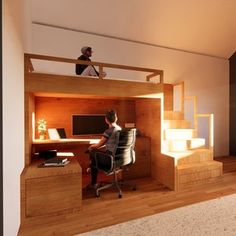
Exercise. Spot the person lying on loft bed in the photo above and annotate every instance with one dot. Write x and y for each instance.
(86, 70)
(107, 144)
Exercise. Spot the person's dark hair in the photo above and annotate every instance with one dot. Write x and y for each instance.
(111, 116)
(85, 49)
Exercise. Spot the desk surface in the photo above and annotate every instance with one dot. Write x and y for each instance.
(66, 141)
(33, 171)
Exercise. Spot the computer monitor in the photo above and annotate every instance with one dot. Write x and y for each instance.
(88, 124)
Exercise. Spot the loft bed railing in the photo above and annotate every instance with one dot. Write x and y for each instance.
(29, 68)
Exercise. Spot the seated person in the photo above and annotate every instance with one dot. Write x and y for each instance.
(108, 141)
(86, 70)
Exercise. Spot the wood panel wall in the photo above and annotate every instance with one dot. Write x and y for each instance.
(232, 127)
(168, 97)
(29, 110)
(58, 111)
(148, 120)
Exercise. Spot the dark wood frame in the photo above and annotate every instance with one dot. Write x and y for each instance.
(232, 105)
(1, 154)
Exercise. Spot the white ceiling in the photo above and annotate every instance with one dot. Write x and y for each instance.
(201, 26)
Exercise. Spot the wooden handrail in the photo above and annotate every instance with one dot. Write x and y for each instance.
(101, 65)
(196, 115)
(28, 64)
(181, 83)
(211, 128)
(194, 99)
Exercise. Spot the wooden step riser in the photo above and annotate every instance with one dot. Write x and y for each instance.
(177, 124)
(182, 149)
(173, 115)
(198, 175)
(195, 168)
(167, 147)
(179, 134)
(194, 184)
(184, 145)
(194, 177)
(197, 157)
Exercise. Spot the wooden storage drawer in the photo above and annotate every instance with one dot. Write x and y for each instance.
(53, 194)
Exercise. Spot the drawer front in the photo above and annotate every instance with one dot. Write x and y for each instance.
(55, 194)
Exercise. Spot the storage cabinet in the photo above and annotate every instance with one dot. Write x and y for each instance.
(51, 190)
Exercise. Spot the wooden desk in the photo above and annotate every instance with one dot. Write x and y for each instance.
(66, 141)
(51, 190)
(76, 146)
(141, 167)
(61, 145)
(58, 190)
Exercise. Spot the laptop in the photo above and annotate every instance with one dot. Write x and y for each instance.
(56, 134)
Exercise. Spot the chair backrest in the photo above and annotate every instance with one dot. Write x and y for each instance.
(125, 154)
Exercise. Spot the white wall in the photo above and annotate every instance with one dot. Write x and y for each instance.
(13, 113)
(206, 77)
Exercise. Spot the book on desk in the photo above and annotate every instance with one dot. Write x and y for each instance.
(55, 162)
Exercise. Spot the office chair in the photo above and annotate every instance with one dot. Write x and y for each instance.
(124, 156)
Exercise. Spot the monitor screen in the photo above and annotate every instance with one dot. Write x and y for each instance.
(88, 124)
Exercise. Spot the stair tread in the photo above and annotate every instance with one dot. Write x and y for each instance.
(187, 139)
(205, 164)
(185, 153)
(181, 120)
(177, 155)
(180, 129)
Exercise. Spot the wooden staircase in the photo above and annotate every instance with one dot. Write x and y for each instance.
(193, 162)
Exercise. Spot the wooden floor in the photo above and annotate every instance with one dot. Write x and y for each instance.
(150, 198)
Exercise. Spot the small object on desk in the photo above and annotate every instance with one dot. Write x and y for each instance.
(47, 154)
(55, 162)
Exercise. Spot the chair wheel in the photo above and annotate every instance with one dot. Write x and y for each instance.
(134, 188)
(120, 196)
(97, 194)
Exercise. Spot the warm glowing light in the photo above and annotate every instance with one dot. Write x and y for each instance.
(33, 126)
(179, 134)
(65, 154)
(211, 131)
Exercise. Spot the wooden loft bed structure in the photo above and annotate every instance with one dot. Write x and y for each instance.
(35, 80)
(148, 105)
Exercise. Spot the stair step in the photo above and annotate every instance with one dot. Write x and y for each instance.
(191, 156)
(177, 124)
(173, 115)
(183, 145)
(179, 134)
